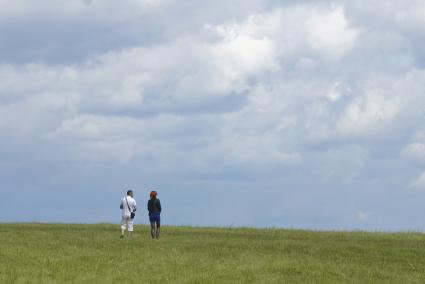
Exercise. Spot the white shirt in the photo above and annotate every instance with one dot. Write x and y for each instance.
(131, 203)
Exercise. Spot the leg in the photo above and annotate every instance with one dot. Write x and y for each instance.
(158, 227)
(153, 227)
(130, 227)
(153, 230)
(123, 226)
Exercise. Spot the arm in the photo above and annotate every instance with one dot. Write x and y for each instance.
(135, 206)
(121, 205)
(159, 206)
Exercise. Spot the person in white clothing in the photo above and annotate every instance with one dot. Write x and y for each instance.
(128, 207)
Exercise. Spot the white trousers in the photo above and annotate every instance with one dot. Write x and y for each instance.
(127, 223)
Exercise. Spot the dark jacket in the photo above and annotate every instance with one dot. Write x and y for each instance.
(154, 206)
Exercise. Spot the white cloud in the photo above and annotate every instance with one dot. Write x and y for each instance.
(243, 150)
(419, 182)
(368, 113)
(236, 58)
(300, 28)
(361, 216)
(411, 16)
(420, 135)
(120, 152)
(329, 32)
(415, 151)
(98, 127)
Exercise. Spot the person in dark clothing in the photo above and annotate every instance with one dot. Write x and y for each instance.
(154, 208)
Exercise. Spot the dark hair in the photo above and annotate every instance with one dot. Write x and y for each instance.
(129, 192)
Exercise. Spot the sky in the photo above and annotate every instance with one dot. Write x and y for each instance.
(294, 114)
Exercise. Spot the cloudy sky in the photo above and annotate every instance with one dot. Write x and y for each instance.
(305, 114)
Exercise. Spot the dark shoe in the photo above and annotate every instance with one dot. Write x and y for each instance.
(121, 237)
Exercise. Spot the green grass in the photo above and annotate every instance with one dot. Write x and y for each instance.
(50, 253)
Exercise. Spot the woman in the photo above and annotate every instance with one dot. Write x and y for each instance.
(154, 208)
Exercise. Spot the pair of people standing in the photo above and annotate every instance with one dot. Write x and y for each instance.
(129, 207)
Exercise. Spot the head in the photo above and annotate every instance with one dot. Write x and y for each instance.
(130, 193)
(153, 194)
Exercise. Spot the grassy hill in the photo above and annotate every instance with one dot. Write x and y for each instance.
(50, 253)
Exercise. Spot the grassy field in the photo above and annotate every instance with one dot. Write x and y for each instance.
(47, 253)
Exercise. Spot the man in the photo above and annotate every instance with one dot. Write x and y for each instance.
(128, 206)
(154, 208)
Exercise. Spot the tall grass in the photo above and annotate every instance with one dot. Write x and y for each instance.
(50, 253)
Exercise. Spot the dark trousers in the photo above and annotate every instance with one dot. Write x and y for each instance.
(155, 220)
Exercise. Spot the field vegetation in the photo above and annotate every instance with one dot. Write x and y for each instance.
(62, 253)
